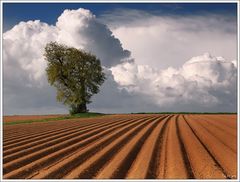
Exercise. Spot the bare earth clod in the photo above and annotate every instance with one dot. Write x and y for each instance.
(141, 146)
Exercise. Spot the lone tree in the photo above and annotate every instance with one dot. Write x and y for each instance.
(76, 74)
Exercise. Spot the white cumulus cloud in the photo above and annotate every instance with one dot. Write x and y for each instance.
(204, 83)
(80, 28)
(24, 75)
(165, 40)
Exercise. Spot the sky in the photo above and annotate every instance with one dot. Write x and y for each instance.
(15, 12)
(158, 57)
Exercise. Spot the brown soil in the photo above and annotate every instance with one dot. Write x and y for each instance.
(123, 147)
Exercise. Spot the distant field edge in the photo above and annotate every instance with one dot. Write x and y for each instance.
(184, 113)
(82, 115)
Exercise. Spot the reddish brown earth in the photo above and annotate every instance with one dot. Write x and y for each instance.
(30, 117)
(123, 147)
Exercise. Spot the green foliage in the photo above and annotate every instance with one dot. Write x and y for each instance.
(76, 74)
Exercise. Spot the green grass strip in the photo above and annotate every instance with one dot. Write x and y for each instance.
(80, 115)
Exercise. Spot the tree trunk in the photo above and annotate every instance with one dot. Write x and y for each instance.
(81, 108)
(76, 109)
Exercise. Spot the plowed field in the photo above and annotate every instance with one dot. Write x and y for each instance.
(150, 146)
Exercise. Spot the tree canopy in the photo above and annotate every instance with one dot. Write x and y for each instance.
(76, 74)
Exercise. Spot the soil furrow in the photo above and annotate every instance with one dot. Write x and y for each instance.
(63, 167)
(63, 152)
(117, 169)
(162, 153)
(45, 151)
(221, 136)
(28, 139)
(89, 168)
(40, 144)
(40, 134)
(216, 149)
(174, 163)
(203, 165)
(55, 126)
(13, 133)
(74, 132)
(149, 158)
(229, 131)
(224, 120)
(184, 153)
(25, 131)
